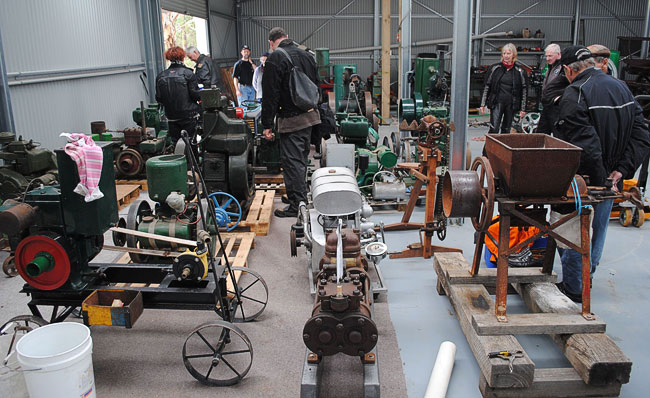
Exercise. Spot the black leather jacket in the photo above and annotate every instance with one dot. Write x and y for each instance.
(275, 85)
(492, 82)
(178, 91)
(599, 114)
(554, 84)
(204, 71)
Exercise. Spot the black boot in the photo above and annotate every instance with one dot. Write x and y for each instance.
(286, 212)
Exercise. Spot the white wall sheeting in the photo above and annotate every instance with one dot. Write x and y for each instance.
(59, 35)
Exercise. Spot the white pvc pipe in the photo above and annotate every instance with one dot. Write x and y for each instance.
(441, 373)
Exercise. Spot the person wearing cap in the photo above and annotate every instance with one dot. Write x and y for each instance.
(505, 91)
(242, 76)
(203, 69)
(177, 90)
(601, 56)
(257, 76)
(554, 84)
(293, 124)
(598, 113)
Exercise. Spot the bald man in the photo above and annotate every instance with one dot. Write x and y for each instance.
(554, 84)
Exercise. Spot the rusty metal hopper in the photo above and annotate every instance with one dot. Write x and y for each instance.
(532, 165)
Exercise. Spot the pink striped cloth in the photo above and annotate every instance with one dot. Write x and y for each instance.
(88, 157)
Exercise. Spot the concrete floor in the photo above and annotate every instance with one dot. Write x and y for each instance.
(148, 363)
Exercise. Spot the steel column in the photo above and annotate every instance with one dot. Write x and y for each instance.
(376, 38)
(405, 48)
(147, 35)
(646, 31)
(239, 26)
(576, 25)
(460, 80)
(477, 30)
(6, 113)
(385, 60)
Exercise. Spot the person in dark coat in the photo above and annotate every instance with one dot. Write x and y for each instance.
(505, 91)
(554, 84)
(598, 113)
(293, 124)
(177, 90)
(203, 69)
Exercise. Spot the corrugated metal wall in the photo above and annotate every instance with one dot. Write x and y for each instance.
(223, 31)
(354, 27)
(60, 35)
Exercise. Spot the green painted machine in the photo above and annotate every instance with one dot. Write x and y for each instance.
(54, 233)
(25, 166)
(430, 92)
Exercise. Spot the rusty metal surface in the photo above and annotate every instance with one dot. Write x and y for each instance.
(98, 127)
(586, 264)
(461, 194)
(17, 218)
(532, 165)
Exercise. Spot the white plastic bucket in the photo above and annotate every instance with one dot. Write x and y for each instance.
(57, 361)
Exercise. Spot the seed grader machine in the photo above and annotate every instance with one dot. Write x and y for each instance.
(54, 234)
(341, 242)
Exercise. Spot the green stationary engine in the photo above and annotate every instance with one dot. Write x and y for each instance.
(430, 92)
(25, 166)
(54, 232)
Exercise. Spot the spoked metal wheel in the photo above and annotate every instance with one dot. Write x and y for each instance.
(9, 267)
(218, 354)
(19, 326)
(529, 122)
(486, 180)
(253, 295)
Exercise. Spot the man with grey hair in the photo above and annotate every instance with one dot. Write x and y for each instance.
(554, 84)
(203, 67)
(598, 113)
(601, 56)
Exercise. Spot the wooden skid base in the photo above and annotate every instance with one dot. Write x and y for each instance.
(269, 179)
(142, 183)
(126, 194)
(260, 214)
(278, 188)
(599, 366)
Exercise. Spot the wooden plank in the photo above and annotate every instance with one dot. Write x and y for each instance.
(142, 183)
(555, 382)
(595, 356)
(125, 194)
(269, 179)
(260, 213)
(179, 241)
(542, 323)
(489, 276)
(124, 259)
(474, 299)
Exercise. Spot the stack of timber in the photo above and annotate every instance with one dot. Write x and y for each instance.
(599, 366)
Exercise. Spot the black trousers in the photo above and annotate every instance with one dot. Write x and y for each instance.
(294, 150)
(501, 118)
(176, 127)
(548, 118)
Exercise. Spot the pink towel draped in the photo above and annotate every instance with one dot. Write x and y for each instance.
(88, 157)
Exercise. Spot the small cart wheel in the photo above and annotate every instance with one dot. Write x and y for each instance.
(218, 354)
(21, 324)
(638, 218)
(625, 217)
(486, 180)
(252, 297)
(9, 267)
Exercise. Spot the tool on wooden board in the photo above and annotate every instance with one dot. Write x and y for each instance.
(510, 356)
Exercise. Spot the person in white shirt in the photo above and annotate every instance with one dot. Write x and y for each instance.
(257, 77)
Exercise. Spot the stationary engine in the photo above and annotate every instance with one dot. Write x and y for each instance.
(54, 233)
(335, 230)
(25, 166)
(227, 148)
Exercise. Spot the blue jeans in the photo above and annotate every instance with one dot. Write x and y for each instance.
(247, 93)
(572, 260)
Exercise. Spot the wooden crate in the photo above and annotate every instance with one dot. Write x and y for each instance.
(126, 194)
(260, 213)
(142, 183)
(599, 366)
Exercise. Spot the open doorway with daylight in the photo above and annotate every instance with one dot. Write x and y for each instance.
(184, 31)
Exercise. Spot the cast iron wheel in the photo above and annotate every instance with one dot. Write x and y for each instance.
(482, 221)
(17, 325)
(293, 244)
(218, 354)
(625, 217)
(138, 209)
(119, 238)
(253, 295)
(129, 163)
(638, 218)
(367, 103)
(9, 267)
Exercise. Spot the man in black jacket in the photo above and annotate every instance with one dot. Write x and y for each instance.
(554, 84)
(293, 124)
(177, 90)
(599, 114)
(203, 69)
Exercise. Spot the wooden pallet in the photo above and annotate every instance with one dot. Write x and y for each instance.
(260, 213)
(279, 189)
(599, 366)
(267, 182)
(126, 194)
(142, 183)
